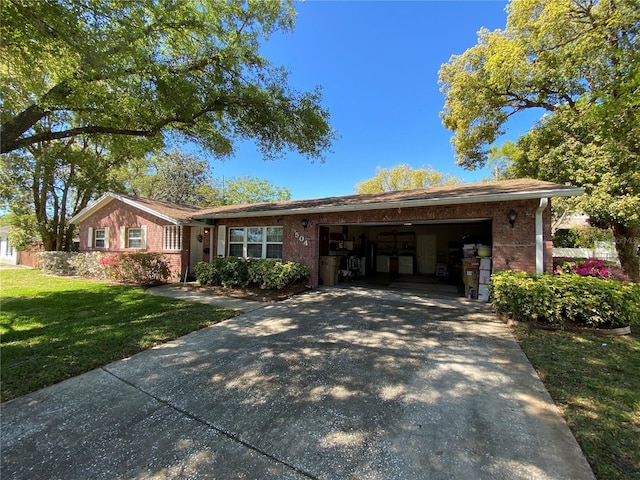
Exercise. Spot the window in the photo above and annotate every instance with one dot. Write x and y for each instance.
(172, 237)
(100, 238)
(255, 242)
(134, 238)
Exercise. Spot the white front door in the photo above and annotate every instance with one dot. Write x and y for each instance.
(196, 253)
(426, 251)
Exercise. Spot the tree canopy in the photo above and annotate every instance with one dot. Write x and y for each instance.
(577, 63)
(148, 69)
(173, 176)
(247, 189)
(404, 177)
(90, 86)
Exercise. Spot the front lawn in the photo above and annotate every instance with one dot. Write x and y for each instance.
(595, 381)
(53, 328)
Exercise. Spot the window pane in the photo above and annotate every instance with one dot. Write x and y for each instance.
(235, 250)
(274, 234)
(99, 238)
(274, 250)
(254, 235)
(254, 250)
(236, 235)
(135, 237)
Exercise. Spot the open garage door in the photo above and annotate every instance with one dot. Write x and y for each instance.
(400, 253)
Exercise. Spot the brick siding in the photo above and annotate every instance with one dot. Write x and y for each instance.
(514, 248)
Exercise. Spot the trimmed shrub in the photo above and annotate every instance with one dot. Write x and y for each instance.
(563, 300)
(140, 268)
(276, 274)
(242, 272)
(57, 263)
(89, 265)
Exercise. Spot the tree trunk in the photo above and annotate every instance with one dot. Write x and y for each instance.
(627, 240)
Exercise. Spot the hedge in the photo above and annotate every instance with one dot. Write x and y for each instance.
(140, 268)
(243, 272)
(564, 300)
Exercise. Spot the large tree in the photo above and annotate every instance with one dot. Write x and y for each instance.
(247, 189)
(404, 177)
(174, 176)
(147, 68)
(577, 63)
(88, 80)
(45, 184)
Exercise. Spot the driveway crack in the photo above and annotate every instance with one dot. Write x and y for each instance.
(218, 428)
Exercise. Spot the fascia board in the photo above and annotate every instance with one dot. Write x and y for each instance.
(498, 197)
(90, 209)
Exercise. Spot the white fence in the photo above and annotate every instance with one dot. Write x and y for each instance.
(601, 251)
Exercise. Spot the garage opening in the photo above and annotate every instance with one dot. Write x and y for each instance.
(428, 256)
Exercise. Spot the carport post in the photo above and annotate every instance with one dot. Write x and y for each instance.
(540, 236)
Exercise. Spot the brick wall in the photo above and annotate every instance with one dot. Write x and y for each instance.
(513, 247)
(118, 214)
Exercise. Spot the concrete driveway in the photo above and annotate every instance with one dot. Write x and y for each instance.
(334, 384)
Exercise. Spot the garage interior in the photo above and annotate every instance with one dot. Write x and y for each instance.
(424, 256)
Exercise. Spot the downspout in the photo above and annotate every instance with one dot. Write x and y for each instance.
(540, 236)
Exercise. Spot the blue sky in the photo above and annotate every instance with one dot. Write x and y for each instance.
(378, 63)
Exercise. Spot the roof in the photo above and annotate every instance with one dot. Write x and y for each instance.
(505, 190)
(171, 212)
(523, 189)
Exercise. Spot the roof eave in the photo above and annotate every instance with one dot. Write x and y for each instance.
(108, 197)
(423, 202)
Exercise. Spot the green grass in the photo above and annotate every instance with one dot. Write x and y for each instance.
(53, 328)
(595, 381)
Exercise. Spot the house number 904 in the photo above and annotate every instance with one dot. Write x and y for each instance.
(301, 238)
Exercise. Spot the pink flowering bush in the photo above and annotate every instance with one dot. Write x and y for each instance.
(589, 267)
(138, 268)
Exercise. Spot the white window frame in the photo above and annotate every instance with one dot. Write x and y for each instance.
(125, 237)
(172, 237)
(245, 240)
(99, 236)
(134, 238)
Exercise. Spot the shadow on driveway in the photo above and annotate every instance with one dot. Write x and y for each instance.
(336, 384)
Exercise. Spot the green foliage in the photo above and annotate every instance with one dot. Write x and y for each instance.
(595, 382)
(24, 230)
(582, 237)
(577, 63)
(242, 272)
(58, 263)
(276, 274)
(52, 328)
(175, 177)
(188, 70)
(89, 265)
(404, 177)
(243, 190)
(565, 300)
(140, 268)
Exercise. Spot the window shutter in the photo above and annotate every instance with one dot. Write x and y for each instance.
(90, 238)
(123, 236)
(143, 242)
(222, 241)
(106, 237)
